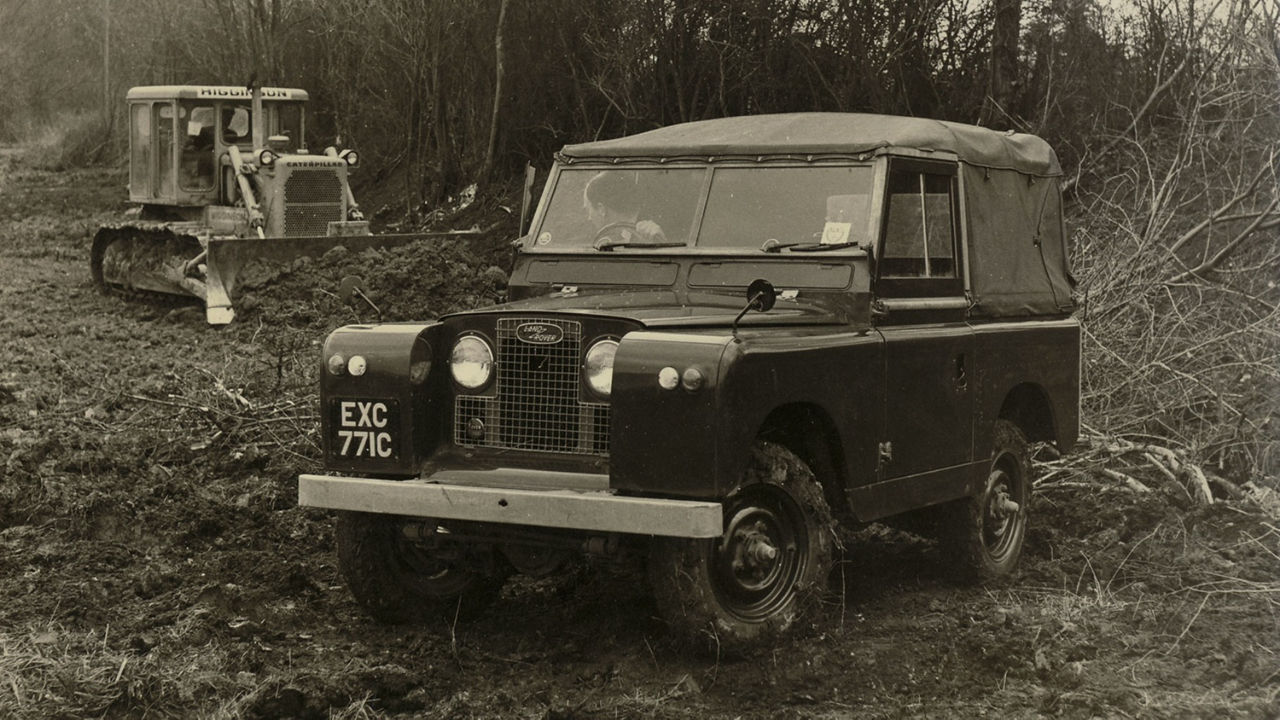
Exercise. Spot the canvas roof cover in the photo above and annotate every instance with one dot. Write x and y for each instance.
(828, 133)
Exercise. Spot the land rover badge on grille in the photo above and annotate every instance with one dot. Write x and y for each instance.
(539, 333)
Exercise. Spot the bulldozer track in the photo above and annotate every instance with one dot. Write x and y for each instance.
(108, 236)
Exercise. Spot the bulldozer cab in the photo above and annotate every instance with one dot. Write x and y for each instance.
(179, 138)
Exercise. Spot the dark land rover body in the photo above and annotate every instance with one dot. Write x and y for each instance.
(624, 401)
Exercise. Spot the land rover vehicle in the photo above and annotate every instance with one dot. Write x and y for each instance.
(223, 180)
(829, 318)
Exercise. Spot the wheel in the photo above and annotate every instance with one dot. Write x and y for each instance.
(398, 579)
(764, 573)
(986, 532)
(612, 230)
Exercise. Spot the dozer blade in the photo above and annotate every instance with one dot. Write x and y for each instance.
(230, 260)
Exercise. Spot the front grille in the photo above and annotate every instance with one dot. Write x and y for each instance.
(312, 199)
(538, 404)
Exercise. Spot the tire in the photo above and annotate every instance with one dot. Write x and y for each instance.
(767, 571)
(985, 533)
(398, 580)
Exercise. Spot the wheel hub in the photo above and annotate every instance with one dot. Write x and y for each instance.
(1001, 511)
(758, 560)
(753, 553)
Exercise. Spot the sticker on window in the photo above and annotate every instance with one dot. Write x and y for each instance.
(836, 233)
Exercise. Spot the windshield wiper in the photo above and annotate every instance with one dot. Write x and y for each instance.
(822, 247)
(777, 247)
(609, 246)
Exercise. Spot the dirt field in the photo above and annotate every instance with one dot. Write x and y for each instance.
(153, 562)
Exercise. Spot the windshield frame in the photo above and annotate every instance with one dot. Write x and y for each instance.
(877, 165)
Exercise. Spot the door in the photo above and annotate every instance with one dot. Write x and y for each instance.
(921, 310)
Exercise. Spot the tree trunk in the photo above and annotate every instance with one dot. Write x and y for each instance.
(497, 92)
(998, 106)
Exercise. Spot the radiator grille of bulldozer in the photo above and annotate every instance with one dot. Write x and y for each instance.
(538, 405)
(312, 199)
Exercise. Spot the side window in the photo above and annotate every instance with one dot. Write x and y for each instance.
(164, 117)
(140, 170)
(919, 253)
(919, 237)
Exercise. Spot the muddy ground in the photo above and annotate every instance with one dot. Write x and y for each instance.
(153, 562)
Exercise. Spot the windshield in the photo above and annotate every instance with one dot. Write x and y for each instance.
(746, 207)
(237, 125)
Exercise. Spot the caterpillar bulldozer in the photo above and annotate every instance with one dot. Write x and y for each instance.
(223, 182)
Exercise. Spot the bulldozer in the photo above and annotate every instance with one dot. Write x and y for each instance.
(222, 181)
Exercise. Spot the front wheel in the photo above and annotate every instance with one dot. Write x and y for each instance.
(987, 531)
(399, 578)
(764, 573)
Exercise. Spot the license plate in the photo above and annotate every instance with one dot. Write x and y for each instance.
(366, 429)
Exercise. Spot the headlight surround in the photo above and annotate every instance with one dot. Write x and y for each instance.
(351, 157)
(266, 158)
(471, 362)
(597, 367)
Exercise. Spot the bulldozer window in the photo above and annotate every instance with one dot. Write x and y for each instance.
(140, 173)
(164, 187)
(236, 127)
(197, 161)
(289, 124)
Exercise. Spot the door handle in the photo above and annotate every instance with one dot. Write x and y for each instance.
(961, 377)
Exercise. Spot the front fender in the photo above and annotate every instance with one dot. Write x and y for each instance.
(663, 441)
(403, 372)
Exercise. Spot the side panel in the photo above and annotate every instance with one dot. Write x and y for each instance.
(1042, 354)
(928, 403)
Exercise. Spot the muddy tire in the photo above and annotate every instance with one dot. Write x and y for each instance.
(984, 534)
(768, 570)
(398, 580)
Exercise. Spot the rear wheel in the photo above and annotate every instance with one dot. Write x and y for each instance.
(764, 573)
(399, 579)
(986, 532)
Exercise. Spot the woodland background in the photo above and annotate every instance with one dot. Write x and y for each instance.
(154, 562)
(1165, 113)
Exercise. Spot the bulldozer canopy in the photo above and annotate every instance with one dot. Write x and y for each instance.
(212, 92)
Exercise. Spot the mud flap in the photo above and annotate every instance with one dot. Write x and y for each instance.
(229, 259)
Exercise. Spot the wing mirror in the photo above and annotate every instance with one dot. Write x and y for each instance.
(761, 296)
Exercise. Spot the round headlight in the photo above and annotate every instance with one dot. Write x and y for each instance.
(471, 362)
(598, 367)
(357, 365)
(351, 156)
(266, 158)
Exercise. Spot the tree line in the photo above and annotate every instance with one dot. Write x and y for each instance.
(450, 91)
(1165, 113)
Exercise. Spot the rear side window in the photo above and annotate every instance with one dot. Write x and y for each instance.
(920, 233)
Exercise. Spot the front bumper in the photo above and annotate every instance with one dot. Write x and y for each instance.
(592, 510)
